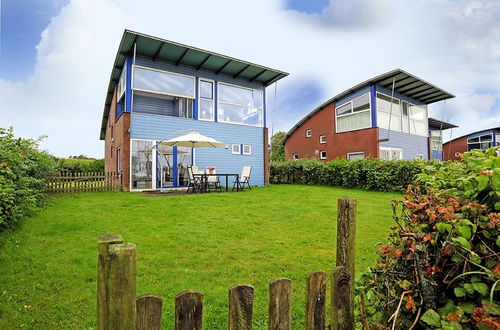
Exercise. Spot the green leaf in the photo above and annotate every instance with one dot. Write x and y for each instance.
(431, 318)
(482, 182)
(469, 288)
(441, 227)
(450, 325)
(491, 307)
(465, 231)
(481, 288)
(462, 241)
(497, 206)
(459, 292)
(467, 307)
(498, 241)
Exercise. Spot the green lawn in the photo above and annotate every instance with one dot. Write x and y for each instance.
(199, 242)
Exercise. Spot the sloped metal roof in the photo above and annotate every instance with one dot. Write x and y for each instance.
(404, 83)
(436, 124)
(179, 54)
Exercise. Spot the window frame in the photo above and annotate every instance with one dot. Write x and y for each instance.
(166, 93)
(320, 139)
(309, 133)
(200, 98)
(480, 142)
(243, 149)
(240, 105)
(349, 154)
(353, 113)
(118, 159)
(295, 156)
(239, 149)
(321, 154)
(390, 149)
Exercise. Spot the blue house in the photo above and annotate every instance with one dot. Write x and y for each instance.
(161, 89)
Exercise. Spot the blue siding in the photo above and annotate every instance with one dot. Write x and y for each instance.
(411, 144)
(373, 104)
(155, 105)
(437, 154)
(128, 85)
(488, 131)
(161, 65)
(154, 127)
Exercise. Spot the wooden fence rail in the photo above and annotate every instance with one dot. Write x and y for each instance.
(89, 181)
(118, 308)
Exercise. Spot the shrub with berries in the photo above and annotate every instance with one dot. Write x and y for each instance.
(441, 265)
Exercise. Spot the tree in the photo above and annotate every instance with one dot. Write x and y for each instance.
(277, 149)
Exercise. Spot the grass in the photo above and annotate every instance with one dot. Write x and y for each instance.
(199, 242)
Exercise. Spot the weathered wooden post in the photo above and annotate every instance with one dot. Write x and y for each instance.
(343, 276)
(189, 311)
(315, 301)
(240, 307)
(122, 314)
(103, 244)
(280, 304)
(148, 308)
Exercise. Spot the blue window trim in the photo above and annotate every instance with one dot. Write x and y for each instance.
(196, 101)
(373, 104)
(174, 163)
(128, 88)
(264, 108)
(216, 96)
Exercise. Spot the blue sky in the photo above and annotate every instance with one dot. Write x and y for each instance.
(22, 22)
(56, 55)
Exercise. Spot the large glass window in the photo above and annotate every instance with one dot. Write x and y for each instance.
(418, 120)
(480, 142)
(142, 164)
(386, 153)
(354, 114)
(388, 112)
(436, 140)
(122, 83)
(240, 105)
(206, 110)
(163, 82)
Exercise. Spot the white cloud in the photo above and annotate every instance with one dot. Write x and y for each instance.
(453, 44)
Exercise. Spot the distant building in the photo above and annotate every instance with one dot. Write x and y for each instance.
(483, 140)
(370, 120)
(159, 89)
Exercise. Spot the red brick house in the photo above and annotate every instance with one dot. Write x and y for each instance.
(383, 117)
(483, 140)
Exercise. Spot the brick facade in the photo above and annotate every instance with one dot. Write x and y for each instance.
(337, 145)
(451, 147)
(118, 136)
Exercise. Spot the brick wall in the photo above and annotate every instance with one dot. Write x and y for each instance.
(337, 145)
(117, 136)
(450, 148)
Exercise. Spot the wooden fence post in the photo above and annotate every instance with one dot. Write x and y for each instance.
(103, 244)
(342, 304)
(189, 311)
(240, 307)
(346, 254)
(280, 304)
(122, 314)
(148, 309)
(315, 301)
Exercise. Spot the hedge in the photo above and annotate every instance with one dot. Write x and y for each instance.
(369, 174)
(23, 172)
(65, 165)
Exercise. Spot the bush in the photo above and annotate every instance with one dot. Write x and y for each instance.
(75, 165)
(441, 265)
(23, 172)
(370, 174)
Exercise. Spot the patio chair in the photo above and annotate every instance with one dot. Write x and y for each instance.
(194, 183)
(244, 178)
(213, 181)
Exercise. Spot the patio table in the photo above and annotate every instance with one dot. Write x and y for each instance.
(204, 180)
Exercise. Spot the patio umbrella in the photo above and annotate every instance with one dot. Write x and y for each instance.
(193, 140)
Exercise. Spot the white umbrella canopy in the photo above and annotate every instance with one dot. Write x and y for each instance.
(193, 140)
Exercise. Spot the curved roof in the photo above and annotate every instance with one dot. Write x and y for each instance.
(476, 132)
(179, 54)
(404, 83)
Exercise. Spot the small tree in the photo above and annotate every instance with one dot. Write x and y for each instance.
(277, 149)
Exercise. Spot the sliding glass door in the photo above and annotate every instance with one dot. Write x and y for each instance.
(171, 166)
